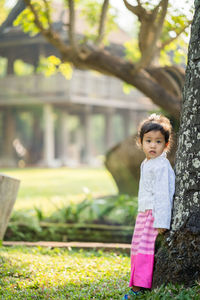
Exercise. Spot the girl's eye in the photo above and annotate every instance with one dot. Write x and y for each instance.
(148, 141)
(158, 142)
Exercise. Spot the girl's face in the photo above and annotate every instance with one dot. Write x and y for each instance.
(153, 144)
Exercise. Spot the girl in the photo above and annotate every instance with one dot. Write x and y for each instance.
(156, 189)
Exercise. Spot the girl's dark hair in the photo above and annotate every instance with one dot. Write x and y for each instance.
(157, 123)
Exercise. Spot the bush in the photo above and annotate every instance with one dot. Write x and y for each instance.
(33, 225)
(115, 210)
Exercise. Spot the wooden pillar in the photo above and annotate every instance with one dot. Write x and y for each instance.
(49, 138)
(87, 137)
(63, 137)
(109, 128)
(35, 149)
(135, 121)
(130, 122)
(9, 130)
(10, 64)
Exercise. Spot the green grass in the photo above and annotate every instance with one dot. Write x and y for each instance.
(42, 273)
(49, 188)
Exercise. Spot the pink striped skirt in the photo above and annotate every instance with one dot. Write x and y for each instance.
(142, 250)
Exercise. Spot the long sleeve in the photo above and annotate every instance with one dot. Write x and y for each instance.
(163, 196)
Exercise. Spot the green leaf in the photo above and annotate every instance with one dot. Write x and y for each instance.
(52, 65)
(127, 88)
(21, 68)
(26, 19)
(66, 70)
(54, 60)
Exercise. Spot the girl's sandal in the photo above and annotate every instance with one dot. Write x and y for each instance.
(131, 294)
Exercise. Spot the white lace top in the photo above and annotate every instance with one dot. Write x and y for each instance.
(156, 189)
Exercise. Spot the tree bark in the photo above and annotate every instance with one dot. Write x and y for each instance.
(123, 161)
(177, 260)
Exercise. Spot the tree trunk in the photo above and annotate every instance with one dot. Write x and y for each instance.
(8, 193)
(123, 162)
(177, 260)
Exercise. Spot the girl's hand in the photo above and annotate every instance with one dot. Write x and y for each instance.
(161, 230)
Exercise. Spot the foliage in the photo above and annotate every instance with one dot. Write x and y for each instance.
(44, 273)
(170, 44)
(121, 209)
(22, 69)
(90, 11)
(52, 64)
(34, 225)
(26, 18)
(173, 24)
(174, 52)
(47, 65)
(132, 50)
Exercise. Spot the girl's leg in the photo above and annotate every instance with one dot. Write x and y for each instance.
(142, 251)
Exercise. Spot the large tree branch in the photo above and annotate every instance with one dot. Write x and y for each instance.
(47, 9)
(36, 20)
(157, 7)
(157, 20)
(105, 62)
(102, 22)
(138, 10)
(139, 3)
(17, 9)
(158, 25)
(71, 30)
(161, 18)
(171, 78)
(91, 57)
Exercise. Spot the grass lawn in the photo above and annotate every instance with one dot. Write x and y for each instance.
(41, 273)
(49, 188)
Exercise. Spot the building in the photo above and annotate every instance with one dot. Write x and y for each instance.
(51, 103)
